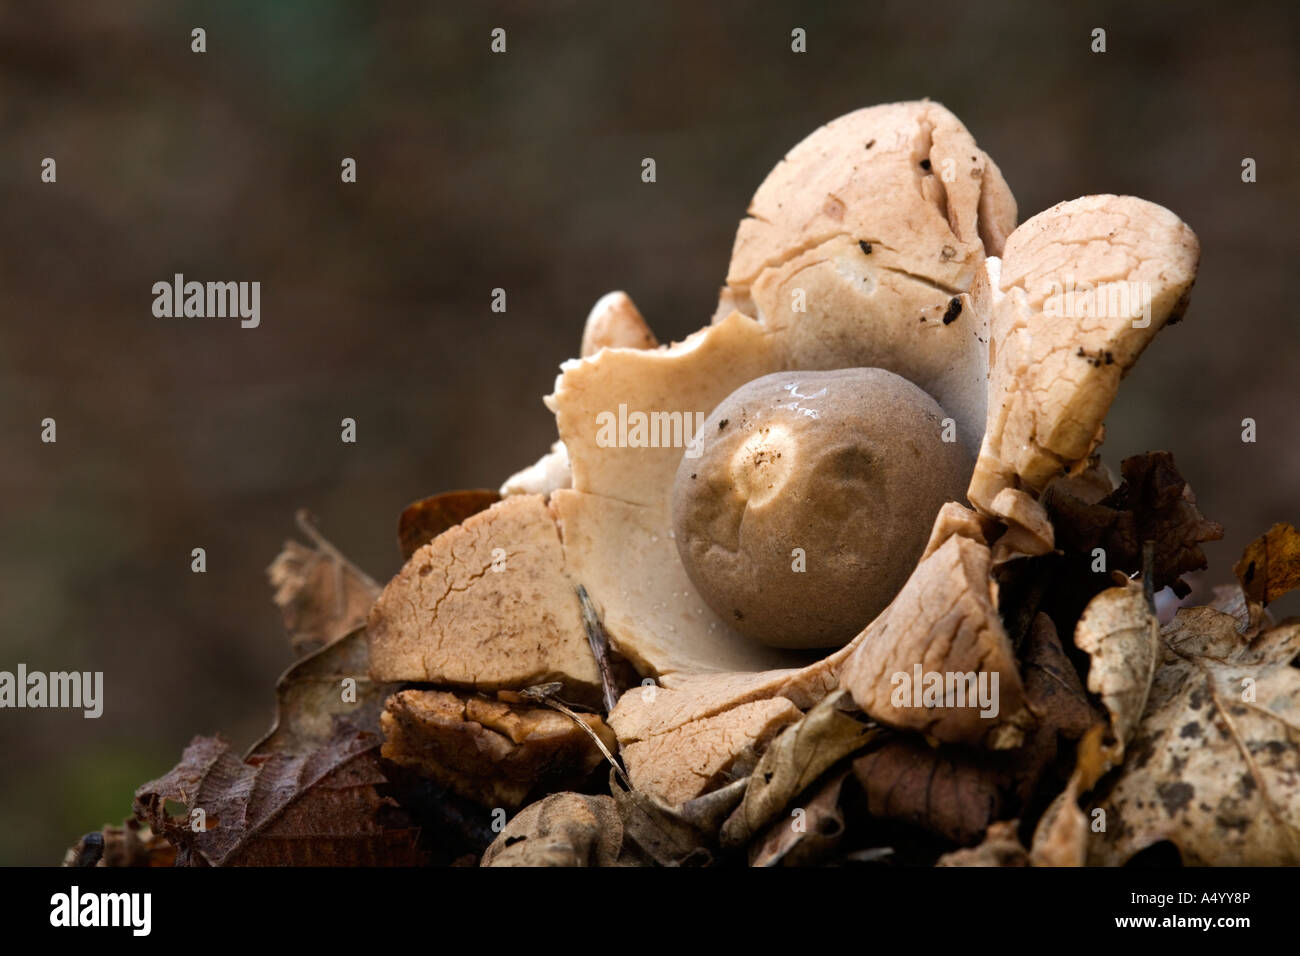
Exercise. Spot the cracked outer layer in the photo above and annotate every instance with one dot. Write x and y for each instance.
(846, 469)
(1058, 360)
(688, 760)
(449, 618)
(860, 240)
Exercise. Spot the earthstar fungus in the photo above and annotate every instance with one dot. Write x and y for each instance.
(885, 241)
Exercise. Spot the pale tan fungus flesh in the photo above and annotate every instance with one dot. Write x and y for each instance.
(449, 618)
(862, 178)
(688, 760)
(1053, 374)
(615, 322)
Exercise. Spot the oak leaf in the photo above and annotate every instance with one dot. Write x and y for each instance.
(1153, 503)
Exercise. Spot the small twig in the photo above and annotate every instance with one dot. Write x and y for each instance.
(599, 641)
(545, 694)
(303, 519)
(1148, 573)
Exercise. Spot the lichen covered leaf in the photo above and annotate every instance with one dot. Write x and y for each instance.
(1214, 767)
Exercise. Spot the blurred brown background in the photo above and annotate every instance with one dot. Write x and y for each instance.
(519, 171)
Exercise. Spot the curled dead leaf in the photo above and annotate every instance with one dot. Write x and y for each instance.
(1153, 503)
(1270, 566)
(1119, 631)
(321, 594)
(685, 835)
(793, 761)
(809, 834)
(1061, 835)
(422, 521)
(564, 829)
(332, 682)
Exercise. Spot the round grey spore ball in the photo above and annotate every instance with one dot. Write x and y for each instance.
(840, 473)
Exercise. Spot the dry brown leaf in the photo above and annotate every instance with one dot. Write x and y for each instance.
(492, 752)
(1120, 633)
(564, 829)
(331, 682)
(1270, 567)
(131, 844)
(685, 835)
(320, 808)
(1153, 503)
(422, 521)
(1001, 847)
(1215, 765)
(808, 835)
(1062, 832)
(320, 593)
(948, 791)
(793, 761)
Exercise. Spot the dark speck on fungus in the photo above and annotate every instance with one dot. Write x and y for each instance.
(954, 310)
(864, 246)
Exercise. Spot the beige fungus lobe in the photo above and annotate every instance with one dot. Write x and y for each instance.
(1063, 336)
(882, 218)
